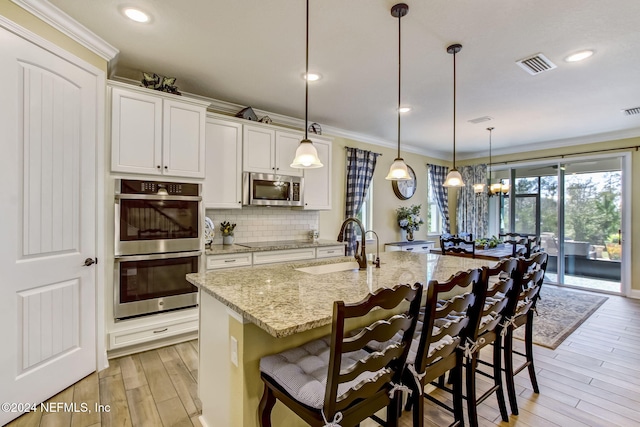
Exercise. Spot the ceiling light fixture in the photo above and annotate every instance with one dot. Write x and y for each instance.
(579, 56)
(398, 170)
(136, 15)
(454, 179)
(306, 154)
(312, 77)
(404, 109)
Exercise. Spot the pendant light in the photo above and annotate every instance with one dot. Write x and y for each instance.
(499, 187)
(454, 179)
(306, 154)
(398, 170)
(493, 188)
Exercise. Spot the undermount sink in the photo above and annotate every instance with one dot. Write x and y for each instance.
(330, 268)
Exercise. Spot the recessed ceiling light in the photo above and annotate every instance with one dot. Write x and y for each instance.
(312, 76)
(579, 56)
(404, 109)
(136, 15)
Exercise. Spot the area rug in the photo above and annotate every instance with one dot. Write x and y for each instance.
(560, 312)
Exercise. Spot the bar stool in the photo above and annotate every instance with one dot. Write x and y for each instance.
(333, 381)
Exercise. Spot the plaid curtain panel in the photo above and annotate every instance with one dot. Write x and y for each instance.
(437, 176)
(472, 212)
(360, 167)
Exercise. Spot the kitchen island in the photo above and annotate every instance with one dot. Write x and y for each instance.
(247, 313)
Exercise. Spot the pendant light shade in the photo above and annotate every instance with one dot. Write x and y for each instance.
(454, 179)
(398, 170)
(306, 154)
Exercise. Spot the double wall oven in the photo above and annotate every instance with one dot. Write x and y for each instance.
(158, 229)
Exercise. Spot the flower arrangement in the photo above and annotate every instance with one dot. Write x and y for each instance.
(227, 228)
(409, 217)
(488, 242)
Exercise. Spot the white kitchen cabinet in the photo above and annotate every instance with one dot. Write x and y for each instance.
(241, 259)
(317, 182)
(330, 251)
(415, 246)
(284, 255)
(266, 150)
(155, 133)
(222, 187)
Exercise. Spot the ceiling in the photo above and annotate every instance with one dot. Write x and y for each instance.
(252, 53)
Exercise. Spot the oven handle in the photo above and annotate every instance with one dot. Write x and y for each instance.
(150, 257)
(156, 197)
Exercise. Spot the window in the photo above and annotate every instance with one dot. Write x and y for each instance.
(366, 211)
(434, 218)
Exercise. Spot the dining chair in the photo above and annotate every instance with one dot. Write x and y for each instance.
(500, 301)
(519, 243)
(457, 246)
(440, 337)
(334, 381)
(531, 273)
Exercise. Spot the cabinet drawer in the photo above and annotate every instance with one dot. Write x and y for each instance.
(285, 255)
(330, 251)
(127, 337)
(424, 247)
(228, 260)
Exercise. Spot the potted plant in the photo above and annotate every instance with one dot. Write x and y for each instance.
(409, 219)
(226, 228)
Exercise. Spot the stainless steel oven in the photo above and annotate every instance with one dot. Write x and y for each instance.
(156, 217)
(158, 230)
(154, 283)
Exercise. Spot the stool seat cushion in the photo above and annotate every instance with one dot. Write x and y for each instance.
(302, 371)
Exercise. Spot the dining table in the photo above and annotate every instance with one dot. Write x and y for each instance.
(497, 253)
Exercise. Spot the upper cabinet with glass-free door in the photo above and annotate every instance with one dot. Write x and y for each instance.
(222, 187)
(154, 133)
(266, 150)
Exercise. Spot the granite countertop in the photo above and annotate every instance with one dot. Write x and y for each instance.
(268, 246)
(284, 301)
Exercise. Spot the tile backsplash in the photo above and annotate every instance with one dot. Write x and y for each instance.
(261, 224)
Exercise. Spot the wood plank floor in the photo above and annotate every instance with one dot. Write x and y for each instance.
(591, 379)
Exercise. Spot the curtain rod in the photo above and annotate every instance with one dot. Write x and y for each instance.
(379, 154)
(562, 156)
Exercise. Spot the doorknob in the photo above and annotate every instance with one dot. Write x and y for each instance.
(90, 261)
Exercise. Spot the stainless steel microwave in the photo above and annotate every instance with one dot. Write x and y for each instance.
(271, 190)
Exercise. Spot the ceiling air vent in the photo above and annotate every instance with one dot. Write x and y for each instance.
(631, 111)
(536, 64)
(480, 120)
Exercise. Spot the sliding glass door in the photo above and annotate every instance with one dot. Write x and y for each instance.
(576, 209)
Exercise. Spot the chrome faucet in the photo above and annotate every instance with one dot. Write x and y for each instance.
(362, 258)
(377, 261)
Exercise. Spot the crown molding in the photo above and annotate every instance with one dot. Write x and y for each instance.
(68, 26)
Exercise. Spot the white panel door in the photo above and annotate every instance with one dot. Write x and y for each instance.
(47, 223)
(222, 187)
(183, 139)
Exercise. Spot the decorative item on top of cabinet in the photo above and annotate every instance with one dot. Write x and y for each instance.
(266, 150)
(247, 114)
(147, 126)
(163, 84)
(222, 188)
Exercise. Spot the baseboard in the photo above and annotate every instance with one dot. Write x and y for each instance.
(635, 293)
(152, 345)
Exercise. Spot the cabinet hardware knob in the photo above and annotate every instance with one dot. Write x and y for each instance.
(90, 261)
(229, 260)
(166, 167)
(409, 249)
(161, 330)
(158, 166)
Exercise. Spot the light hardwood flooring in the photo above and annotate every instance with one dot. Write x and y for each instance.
(591, 379)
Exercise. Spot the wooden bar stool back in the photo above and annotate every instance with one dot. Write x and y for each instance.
(445, 326)
(500, 301)
(334, 381)
(531, 272)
